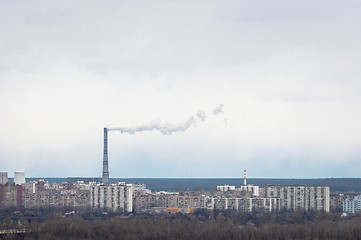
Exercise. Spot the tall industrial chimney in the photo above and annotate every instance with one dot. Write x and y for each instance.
(245, 177)
(105, 176)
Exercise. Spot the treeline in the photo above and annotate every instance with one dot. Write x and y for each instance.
(183, 184)
(197, 226)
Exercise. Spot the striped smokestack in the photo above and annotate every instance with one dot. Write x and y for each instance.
(105, 176)
(245, 177)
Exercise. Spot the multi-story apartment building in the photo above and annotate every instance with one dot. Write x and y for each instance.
(250, 188)
(11, 195)
(122, 197)
(245, 204)
(336, 201)
(115, 197)
(43, 194)
(300, 197)
(352, 205)
(144, 201)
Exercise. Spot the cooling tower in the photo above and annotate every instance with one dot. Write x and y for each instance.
(3, 177)
(19, 177)
(105, 175)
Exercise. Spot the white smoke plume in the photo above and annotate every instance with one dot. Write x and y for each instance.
(201, 115)
(166, 128)
(219, 109)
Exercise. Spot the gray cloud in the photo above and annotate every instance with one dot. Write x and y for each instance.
(279, 64)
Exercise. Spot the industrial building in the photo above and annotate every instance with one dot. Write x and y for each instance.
(248, 188)
(19, 177)
(105, 172)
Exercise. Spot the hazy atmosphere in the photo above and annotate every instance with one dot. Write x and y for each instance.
(194, 88)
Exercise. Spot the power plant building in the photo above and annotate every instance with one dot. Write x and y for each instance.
(19, 177)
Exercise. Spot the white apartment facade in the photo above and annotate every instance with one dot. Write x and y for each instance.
(299, 197)
(352, 205)
(114, 196)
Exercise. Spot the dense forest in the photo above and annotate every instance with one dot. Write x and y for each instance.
(201, 224)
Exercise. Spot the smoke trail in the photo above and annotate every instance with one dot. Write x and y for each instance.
(164, 128)
(167, 128)
(219, 109)
(201, 115)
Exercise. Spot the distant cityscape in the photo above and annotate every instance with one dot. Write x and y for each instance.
(125, 197)
(137, 198)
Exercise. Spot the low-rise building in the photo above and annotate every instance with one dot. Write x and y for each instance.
(225, 188)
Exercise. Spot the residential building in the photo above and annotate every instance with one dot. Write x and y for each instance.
(115, 197)
(352, 205)
(299, 197)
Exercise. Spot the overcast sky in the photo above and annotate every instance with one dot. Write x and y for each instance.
(287, 72)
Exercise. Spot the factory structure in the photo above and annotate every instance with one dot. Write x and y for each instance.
(105, 173)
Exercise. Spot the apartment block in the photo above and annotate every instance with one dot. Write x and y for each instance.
(352, 205)
(115, 197)
(300, 197)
